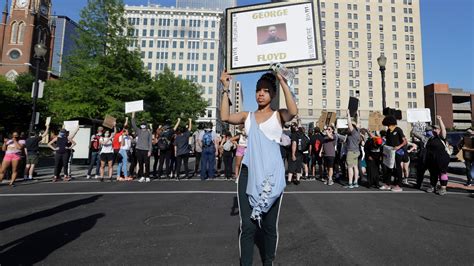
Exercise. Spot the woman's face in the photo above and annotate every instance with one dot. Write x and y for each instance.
(263, 97)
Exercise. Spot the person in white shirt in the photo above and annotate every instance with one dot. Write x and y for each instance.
(125, 144)
(106, 154)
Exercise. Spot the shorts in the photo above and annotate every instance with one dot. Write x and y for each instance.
(352, 158)
(316, 159)
(11, 157)
(329, 161)
(240, 151)
(32, 159)
(305, 158)
(106, 157)
(405, 158)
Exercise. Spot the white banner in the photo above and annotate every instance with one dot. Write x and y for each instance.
(71, 125)
(418, 115)
(135, 106)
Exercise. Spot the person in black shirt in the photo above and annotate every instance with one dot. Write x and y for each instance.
(397, 140)
(437, 158)
(373, 158)
(32, 152)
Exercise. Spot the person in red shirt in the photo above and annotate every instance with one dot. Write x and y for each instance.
(116, 143)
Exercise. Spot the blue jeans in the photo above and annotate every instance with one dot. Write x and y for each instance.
(208, 162)
(122, 165)
(95, 159)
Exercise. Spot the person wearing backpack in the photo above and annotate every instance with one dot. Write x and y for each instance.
(210, 146)
(95, 153)
(166, 149)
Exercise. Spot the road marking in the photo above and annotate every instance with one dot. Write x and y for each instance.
(205, 192)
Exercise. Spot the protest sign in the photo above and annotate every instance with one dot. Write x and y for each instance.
(71, 125)
(109, 121)
(353, 106)
(322, 119)
(342, 123)
(48, 121)
(258, 35)
(136, 106)
(418, 115)
(375, 121)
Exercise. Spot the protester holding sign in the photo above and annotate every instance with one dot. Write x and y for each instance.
(181, 148)
(262, 176)
(353, 152)
(396, 140)
(32, 151)
(95, 153)
(437, 157)
(107, 154)
(64, 142)
(143, 149)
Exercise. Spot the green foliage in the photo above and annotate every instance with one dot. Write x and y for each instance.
(15, 103)
(103, 74)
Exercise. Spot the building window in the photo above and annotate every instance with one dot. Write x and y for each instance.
(310, 111)
(310, 102)
(310, 91)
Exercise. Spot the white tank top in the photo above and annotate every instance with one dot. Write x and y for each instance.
(270, 128)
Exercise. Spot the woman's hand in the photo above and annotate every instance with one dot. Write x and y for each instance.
(225, 79)
(280, 78)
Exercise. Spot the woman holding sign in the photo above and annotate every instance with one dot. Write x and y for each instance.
(262, 175)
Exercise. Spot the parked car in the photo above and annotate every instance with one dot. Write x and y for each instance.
(454, 138)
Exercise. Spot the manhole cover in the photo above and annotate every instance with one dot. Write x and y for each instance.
(167, 220)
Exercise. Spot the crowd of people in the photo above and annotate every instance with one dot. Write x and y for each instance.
(345, 156)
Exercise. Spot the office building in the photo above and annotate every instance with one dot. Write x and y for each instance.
(455, 106)
(355, 33)
(236, 98)
(206, 4)
(64, 43)
(187, 41)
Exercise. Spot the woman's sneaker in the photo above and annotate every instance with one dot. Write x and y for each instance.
(442, 191)
(384, 187)
(330, 183)
(430, 189)
(397, 189)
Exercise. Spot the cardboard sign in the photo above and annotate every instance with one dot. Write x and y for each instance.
(257, 35)
(71, 125)
(109, 121)
(342, 123)
(353, 106)
(375, 121)
(136, 106)
(331, 120)
(418, 115)
(322, 119)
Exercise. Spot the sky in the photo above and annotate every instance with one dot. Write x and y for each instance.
(447, 39)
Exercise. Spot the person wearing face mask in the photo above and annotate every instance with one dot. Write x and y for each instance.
(12, 148)
(143, 149)
(63, 143)
(107, 154)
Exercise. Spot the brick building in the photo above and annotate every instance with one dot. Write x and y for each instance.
(455, 106)
(24, 24)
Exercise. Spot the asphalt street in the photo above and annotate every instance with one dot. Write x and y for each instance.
(193, 222)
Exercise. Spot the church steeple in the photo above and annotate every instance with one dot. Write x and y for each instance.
(3, 27)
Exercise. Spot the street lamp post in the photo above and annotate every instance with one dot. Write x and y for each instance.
(382, 61)
(40, 52)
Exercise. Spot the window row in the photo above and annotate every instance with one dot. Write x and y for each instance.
(134, 21)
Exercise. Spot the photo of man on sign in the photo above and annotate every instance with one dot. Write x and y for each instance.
(271, 34)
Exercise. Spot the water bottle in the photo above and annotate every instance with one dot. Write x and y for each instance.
(287, 73)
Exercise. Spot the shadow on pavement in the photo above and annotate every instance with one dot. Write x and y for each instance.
(36, 247)
(48, 212)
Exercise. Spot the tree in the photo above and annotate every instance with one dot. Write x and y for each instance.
(102, 74)
(177, 98)
(15, 103)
